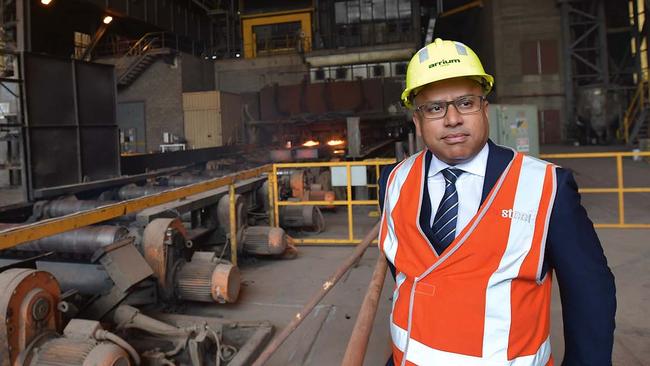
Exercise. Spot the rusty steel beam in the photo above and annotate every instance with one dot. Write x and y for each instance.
(358, 344)
(24, 233)
(326, 287)
(462, 8)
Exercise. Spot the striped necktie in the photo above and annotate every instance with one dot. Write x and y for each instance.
(444, 223)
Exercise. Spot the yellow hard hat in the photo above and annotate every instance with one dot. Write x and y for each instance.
(442, 60)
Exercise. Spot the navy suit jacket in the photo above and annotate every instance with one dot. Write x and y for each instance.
(573, 250)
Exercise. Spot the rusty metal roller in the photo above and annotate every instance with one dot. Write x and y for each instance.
(27, 310)
(132, 191)
(206, 279)
(68, 206)
(64, 207)
(264, 240)
(323, 196)
(223, 212)
(79, 352)
(185, 180)
(308, 216)
(81, 241)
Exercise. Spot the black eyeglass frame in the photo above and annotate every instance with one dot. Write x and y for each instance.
(446, 103)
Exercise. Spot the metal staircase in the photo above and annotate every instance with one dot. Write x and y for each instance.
(140, 57)
(137, 68)
(636, 121)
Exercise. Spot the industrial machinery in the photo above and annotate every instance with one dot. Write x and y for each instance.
(181, 272)
(154, 259)
(515, 126)
(33, 332)
(30, 327)
(599, 111)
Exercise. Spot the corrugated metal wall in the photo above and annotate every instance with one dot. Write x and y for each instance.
(231, 118)
(360, 97)
(202, 119)
(212, 118)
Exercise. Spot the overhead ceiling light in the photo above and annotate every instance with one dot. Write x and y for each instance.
(46, 2)
(311, 143)
(214, 57)
(335, 142)
(108, 19)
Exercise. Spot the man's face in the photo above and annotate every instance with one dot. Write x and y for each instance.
(456, 137)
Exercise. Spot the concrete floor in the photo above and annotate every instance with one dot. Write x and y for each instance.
(276, 290)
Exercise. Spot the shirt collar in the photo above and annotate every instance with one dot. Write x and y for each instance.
(476, 165)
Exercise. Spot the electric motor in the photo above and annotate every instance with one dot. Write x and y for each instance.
(264, 240)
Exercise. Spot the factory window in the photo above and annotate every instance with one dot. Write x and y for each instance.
(354, 11)
(81, 43)
(341, 73)
(539, 57)
(277, 37)
(265, 6)
(320, 74)
(378, 70)
(369, 22)
(400, 69)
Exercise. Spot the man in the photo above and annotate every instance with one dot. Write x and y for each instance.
(474, 233)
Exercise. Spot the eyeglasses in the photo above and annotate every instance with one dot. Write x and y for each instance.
(467, 104)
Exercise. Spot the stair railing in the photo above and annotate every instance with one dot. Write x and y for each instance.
(148, 42)
(632, 111)
(144, 43)
(635, 108)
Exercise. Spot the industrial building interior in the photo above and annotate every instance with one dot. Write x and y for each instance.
(195, 182)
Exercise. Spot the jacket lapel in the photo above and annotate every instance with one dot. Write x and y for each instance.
(498, 159)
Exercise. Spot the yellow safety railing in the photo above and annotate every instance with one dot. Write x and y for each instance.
(349, 202)
(620, 188)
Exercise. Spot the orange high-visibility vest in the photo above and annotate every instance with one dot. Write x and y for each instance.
(483, 301)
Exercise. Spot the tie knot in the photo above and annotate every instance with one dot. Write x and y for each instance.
(451, 174)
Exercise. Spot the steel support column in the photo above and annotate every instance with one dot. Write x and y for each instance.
(585, 54)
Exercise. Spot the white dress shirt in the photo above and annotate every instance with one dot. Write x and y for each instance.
(469, 186)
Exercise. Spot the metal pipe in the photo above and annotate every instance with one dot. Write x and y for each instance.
(81, 241)
(275, 207)
(462, 8)
(358, 344)
(349, 199)
(270, 183)
(233, 225)
(325, 288)
(620, 185)
(126, 316)
(87, 278)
